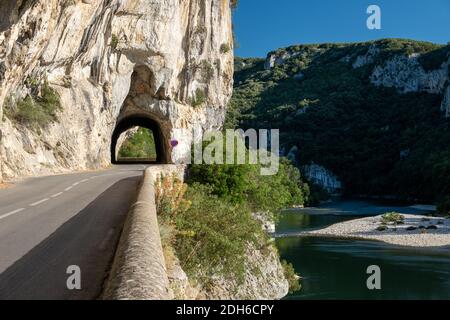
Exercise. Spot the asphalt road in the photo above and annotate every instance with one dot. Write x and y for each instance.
(50, 223)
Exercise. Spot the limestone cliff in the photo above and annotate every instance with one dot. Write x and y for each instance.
(168, 60)
(264, 280)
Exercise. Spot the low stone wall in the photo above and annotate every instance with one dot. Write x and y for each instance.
(139, 269)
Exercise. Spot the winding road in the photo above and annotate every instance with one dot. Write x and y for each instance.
(50, 223)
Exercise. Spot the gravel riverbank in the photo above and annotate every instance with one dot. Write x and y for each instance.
(416, 231)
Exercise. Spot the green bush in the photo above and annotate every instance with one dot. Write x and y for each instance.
(291, 277)
(208, 235)
(35, 111)
(225, 48)
(212, 235)
(239, 184)
(213, 222)
(393, 217)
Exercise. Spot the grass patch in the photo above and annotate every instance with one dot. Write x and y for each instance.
(34, 112)
(199, 98)
(114, 41)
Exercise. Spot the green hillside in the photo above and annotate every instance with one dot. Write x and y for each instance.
(376, 140)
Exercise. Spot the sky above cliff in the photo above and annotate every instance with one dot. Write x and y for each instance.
(262, 26)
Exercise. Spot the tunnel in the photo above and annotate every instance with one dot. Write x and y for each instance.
(143, 122)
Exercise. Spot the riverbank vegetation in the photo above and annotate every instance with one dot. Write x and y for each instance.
(208, 223)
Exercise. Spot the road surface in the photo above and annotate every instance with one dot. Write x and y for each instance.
(50, 223)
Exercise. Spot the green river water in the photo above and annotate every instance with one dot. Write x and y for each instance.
(336, 268)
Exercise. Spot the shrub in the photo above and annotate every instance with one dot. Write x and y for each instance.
(207, 70)
(169, 193)
(35, 111)
(199, 98)
(114, 41)
(291, 277)
(393, 217)
(225, 48)
(434, 59)
(239, 184)
(211, 235)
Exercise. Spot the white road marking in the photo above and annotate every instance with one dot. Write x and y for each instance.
(11, 213)
(57, 195)
(85, 180)
(68, 189)
(75, 184)
(39, 202)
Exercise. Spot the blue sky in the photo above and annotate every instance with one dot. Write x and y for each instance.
(265, 25)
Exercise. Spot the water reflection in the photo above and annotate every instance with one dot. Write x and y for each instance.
(336, 269)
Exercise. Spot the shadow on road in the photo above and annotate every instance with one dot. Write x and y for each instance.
(87, 240)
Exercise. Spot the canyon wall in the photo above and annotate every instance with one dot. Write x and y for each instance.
(167, 60)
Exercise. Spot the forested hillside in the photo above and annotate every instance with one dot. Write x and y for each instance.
(371, 113)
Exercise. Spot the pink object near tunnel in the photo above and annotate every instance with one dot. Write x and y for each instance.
(173, 143)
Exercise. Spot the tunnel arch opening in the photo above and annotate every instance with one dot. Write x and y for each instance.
(143, 122)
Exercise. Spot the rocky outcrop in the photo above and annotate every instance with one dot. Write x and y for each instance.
(366, 58)
(279, 58)
(406, 74)
(124, 137)
(323, 177)
(445, 106)
(107, 60)
(264, 280)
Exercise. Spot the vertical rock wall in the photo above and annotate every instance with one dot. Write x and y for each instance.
(169, 60)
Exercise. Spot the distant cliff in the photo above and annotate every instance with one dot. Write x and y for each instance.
(71, 70)
(373, 115)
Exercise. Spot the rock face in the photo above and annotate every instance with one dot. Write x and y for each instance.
(366, 58)
(267, 283)
(323, 177)
(445, 107)
(278, 58)
(110, 60)
(407, 75)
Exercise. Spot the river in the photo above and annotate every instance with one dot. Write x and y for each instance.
(336, 268)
